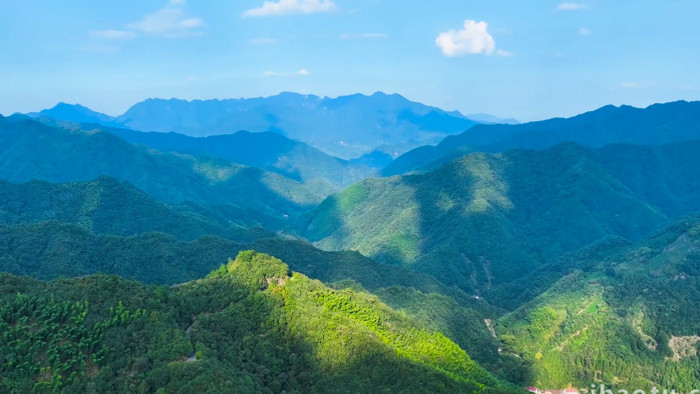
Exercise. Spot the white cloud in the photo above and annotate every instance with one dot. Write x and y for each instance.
(571, 7)
(630, 85)
(472, 40)
(501, 52)
(301, 72)
(288, 7)
(169, 22)
(264, 41)
(348, 36)
(585, 31)
(113, 34)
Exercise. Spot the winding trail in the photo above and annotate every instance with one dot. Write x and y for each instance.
(193, 355)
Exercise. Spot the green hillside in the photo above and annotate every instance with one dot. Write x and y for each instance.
(488, 219)
(250, 326)
(32, 150)
(107, 206)
(628, 320)
(268, 150)
(52, 249)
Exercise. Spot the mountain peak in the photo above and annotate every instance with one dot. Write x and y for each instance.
(73, 113)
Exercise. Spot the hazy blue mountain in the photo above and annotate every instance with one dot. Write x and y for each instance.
(487, 219)
(490, 119)
(32, 150)
(375, 159)
(346, 126)
(655, 125)
(271, 151)
(73, 113)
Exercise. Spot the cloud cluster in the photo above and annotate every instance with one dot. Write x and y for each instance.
(473, 39)
(288, 7)
(584, 31)
(571, 7)
(169, 21)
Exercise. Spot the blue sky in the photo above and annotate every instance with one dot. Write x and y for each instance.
(523, 59)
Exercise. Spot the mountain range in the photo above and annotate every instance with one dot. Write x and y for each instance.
(487, 219)
(553, 254)
(345, 126)
(33, 150)
(268, 150)
(656, 125)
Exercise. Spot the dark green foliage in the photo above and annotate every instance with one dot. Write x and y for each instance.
(251, 327)
(47, 345)
(32, 150)
(51, 249)
(106, 206)
(486, 220)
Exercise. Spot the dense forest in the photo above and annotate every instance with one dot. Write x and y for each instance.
(249, 326)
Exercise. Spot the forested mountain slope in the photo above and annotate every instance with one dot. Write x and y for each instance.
(250, 326)
(32, 150)
(487, 219)
(268, 150)
(107, 206)
(627, 316)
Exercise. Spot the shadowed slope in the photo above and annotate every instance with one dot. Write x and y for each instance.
(487, 219)
(657, 124)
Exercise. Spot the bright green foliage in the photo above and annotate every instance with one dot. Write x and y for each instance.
(465, 326)
(248, 327)
(627, 322)
(484, 221)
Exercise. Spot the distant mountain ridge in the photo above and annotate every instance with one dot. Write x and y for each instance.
(268, 150)
(73, 113)
(655, 125)
(345, 126)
